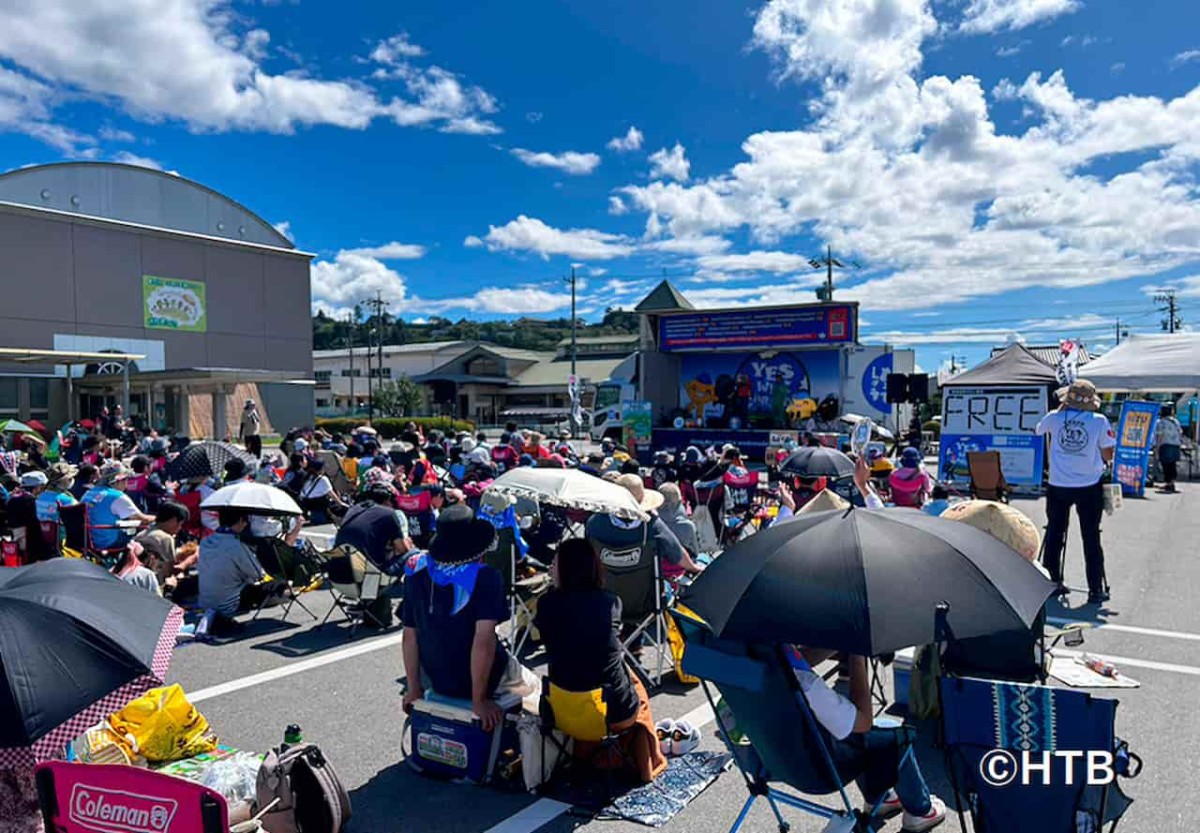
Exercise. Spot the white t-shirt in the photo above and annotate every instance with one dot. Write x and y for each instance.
(124, 507)
(1076, 438)
(316, 488)
(832, 710)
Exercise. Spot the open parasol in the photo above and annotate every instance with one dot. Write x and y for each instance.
(570, 489)
(255, 498)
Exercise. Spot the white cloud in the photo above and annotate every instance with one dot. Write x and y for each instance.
(534, 116)
(529, 234)
(127, 158)
(1185, 57)
(395, 50)
(508, 300)
(909, 173)
(670, 163)
(632, 140)
(390, 251)
(983, 16)
(350, 278)
(759, 261)
(1082, 326)
(284, 227)
(201, 62)
(617, 206)
(112, 134)
(702, 246)
(569, 162)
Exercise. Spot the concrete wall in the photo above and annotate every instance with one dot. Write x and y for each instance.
(77, 276)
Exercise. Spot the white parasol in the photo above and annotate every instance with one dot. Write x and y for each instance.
(569, 488)
(255, 498)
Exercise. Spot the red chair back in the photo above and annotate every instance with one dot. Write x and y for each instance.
(86, 798)
(194, 526)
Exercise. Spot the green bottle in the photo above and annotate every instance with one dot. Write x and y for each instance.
(292, 735)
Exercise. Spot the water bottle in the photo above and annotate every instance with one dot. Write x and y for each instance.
(292, 735)
(1100, 666)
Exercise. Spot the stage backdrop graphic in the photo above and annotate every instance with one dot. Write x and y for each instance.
(993, 419)
(744, 390)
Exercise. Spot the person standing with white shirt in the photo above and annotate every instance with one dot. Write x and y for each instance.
(1081, 444)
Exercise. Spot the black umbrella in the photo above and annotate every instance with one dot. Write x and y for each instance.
(76, 644)
(817, 461)
(206, 459)
(868, 582)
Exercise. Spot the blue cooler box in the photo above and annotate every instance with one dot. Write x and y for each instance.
(447, 741)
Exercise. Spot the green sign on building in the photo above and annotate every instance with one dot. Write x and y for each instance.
(173, 304)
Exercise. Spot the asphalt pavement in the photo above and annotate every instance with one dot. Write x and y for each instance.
(345, 694)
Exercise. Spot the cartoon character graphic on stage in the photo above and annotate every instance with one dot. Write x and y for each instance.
(701, 393)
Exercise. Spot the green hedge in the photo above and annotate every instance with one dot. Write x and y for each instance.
(391, 427)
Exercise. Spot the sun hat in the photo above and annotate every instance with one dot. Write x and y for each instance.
(461, 537)
(823, 501)
(910, 458)
(1004, 523)
(1080, 395)
(114, 470)
(648, 499)
(33, 479)
(60, 472)
(467, 445)
(401, 447)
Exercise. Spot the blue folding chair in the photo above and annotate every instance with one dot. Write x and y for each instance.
(981, 716)
(786, 743)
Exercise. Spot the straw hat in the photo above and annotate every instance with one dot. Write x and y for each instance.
(61, 472)
(114, 470)
(1004, 523)
(1080, 395)
(822, 501)
(648, 499)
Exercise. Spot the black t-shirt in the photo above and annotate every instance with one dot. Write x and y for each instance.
(444, 639)
(580, 630)
(370, 529)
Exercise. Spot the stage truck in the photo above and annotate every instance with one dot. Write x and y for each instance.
(752, 376)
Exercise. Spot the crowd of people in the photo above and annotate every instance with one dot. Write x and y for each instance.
(420, 508)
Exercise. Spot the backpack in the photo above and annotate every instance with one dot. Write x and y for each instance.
(311, 797)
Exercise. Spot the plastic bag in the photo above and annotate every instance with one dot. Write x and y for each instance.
(539, 754)
(164, 726)
(235, 777)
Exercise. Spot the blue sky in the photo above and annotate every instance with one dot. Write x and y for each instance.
(999, 168)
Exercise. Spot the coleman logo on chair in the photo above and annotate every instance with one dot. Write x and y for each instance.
(115, 811)
(621, 558)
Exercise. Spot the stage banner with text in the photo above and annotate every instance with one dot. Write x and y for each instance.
(993, 419)
(759, 329)
(1135, 439)
(757, 390)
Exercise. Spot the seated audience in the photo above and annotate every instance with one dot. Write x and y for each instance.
(580, 624)
(378, 530)
(452, 605)
(159, 541)
(939, 501)
(107, 503)
(910, 484)
(60, 479)
(139, 567)
(231, 579)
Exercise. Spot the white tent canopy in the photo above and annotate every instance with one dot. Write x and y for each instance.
(1150, 363)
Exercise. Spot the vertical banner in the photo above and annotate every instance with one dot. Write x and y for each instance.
(636, 419)
(1135, 438)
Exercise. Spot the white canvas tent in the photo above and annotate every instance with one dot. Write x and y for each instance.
(1150, 363)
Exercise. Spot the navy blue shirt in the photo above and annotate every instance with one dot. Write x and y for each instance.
(445, 639)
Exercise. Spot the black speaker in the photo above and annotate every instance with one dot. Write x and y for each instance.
(918, 388)
(897, 388)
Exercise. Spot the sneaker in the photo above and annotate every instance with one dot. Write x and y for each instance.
(889, 807)
(1061, 589)
(1098, 598)
(919, 824)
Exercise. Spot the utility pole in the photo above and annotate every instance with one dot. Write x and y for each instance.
(350, 325)
(1120, 333)
(825, 293)
(377, 306)
(1171, 323)
(574, 389)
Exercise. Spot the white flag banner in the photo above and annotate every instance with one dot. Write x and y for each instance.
(1068, 362)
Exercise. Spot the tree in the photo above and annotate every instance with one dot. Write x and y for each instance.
(399, 398)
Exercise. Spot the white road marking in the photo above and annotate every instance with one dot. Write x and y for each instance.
(542, 811)
(1113, 626)
(700, 716)
(1133, 662)
(293, 668)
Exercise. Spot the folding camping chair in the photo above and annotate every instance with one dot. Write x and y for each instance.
(635, 576)
(987, 476)
(761, 697)
(194, 525)
(81, 798)
(78, 532)
(741, 494)
(418, 509)
(582, 716)
(357, 585)
(297, 571)
(503, 556)
(980, 716)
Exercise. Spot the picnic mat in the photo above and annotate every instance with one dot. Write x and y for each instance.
(656, 804)
(1077, 675)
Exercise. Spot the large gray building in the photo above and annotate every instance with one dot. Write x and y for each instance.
(124, 284)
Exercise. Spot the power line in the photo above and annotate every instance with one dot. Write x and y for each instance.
(1172, 322)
